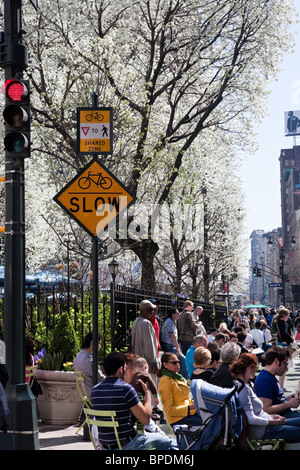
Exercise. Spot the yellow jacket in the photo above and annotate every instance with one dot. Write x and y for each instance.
(175, 398)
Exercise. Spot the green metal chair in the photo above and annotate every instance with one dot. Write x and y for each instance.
(93, 419)
(86, 402)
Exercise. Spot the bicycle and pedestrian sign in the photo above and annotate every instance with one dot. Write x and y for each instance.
(94, 131)
(94, 198)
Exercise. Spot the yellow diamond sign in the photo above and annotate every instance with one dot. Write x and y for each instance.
(94, 198)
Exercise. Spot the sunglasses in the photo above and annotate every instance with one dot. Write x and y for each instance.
(173, 362)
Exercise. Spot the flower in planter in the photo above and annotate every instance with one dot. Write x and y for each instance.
(39, 356)
(68, 366)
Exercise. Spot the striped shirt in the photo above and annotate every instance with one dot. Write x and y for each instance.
(115, 394)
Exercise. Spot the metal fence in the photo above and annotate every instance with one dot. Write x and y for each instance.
(44, 308)
(127, 300)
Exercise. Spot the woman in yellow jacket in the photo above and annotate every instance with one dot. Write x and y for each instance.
(174, 393)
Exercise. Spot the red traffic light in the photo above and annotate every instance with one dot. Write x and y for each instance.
(15, 90)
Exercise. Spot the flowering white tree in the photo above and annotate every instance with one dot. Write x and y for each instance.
(171, 69)
(210, 243)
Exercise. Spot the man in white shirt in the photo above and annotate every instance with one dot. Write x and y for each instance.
(84, 362)
(257, 334)
(212, 335)
(197, 313)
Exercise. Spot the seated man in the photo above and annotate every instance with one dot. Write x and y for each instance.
(140, 370)
(84, 362)
(257, 335)
(115, 394)
(268, 389)
(198, 341)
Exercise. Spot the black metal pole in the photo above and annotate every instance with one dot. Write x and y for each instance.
(68, 261)
(95, 290)
(95, 310)
(112, 313)
(23, 430)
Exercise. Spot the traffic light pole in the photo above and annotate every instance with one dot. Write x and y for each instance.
(281, 275)
(22, 427)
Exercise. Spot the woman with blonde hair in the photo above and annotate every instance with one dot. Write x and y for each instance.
(202, 359)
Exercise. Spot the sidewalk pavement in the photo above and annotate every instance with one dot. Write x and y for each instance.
(65, 438)
(62, 438)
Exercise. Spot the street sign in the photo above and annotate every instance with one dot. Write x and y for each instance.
(94, 198)
(275, 284)
(94, 131)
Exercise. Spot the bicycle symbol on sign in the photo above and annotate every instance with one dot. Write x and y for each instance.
(104, 181)
(96, 115)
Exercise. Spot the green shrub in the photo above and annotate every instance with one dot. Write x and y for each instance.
(64, 339)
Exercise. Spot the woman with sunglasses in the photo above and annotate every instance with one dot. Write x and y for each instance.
(175, 393)
(262, 425)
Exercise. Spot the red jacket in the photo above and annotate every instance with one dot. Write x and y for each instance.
(155, 325)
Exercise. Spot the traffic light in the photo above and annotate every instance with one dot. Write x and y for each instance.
(256, 271)
(258, 274)
(17, 118)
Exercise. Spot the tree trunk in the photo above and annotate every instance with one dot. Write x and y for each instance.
(146, 251)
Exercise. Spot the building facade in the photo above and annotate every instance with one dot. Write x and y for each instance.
(290, 215)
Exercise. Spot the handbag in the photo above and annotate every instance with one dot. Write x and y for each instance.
(294, 349)
(35, 387)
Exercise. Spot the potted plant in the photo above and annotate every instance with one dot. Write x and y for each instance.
(60, 402)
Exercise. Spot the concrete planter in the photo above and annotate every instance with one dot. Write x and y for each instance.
(60, 403)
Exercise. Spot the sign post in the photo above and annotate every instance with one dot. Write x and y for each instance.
(95, 198)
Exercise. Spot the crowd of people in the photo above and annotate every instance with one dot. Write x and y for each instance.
(153, 380)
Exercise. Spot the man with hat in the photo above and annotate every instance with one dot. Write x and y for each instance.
(143, 338)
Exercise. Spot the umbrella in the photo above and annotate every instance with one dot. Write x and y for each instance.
(255, 306)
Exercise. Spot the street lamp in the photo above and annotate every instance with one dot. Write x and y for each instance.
(113, 269)
(281, 248)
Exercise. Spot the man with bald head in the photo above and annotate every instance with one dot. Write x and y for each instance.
(198, 341)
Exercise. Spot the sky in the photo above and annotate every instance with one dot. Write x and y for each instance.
(260, 173)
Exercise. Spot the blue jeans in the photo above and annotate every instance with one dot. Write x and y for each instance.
(168, 347)
(151, 440)
(290, 432)
(185, 346)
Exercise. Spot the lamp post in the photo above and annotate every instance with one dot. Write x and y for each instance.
(281, 249)
(113, 269)
(68, 287)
